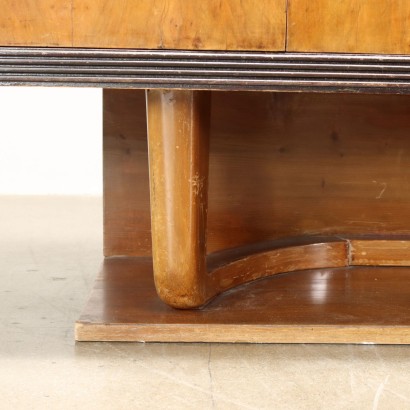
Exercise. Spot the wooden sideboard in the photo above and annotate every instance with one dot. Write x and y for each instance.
(256, 163)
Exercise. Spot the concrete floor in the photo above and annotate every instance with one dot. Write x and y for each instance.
(50, 252)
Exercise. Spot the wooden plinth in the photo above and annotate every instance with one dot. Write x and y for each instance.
(342, 305)
(281, 167)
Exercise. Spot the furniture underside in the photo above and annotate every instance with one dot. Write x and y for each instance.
(248, 184)
(310, 188)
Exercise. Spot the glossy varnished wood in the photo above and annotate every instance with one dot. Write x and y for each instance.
(281, 165)
(147, 24)
(36, 23)
(284, 170)
(181, 24)
(178, 124)
(127, 226)
(178, 135)
(365, 26)
(345, 305)
(288, 257)
(394, 252)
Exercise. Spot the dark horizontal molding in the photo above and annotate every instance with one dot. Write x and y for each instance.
(204, 70)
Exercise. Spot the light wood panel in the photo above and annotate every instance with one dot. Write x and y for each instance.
(36, 23)
(349, 26)
(172, 24)
(365, 26)
(181, 24)
(281, 165)
(345, 305)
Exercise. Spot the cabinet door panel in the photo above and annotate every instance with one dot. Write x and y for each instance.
(181, 24)
(172, 24)
(362, 26)
(35, 23)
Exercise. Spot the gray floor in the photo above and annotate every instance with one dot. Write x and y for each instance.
(50, 251)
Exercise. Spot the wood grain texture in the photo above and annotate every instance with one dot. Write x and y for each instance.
(178, 140)
(288, 258)
(365, 26)
(380, 252)
(127, 226)
(173, 24)
(178, 124)
(178, 136)
(355, 186)
(181, 24)
(36, 23)
(345, 305)
(281, 165)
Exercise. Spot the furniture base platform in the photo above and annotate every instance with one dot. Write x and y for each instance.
(339, 305)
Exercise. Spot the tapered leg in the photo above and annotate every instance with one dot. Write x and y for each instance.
(178, 135)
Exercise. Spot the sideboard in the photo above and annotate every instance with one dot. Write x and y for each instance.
(256, 162)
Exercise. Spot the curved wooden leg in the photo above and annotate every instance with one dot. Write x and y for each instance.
(178, 134)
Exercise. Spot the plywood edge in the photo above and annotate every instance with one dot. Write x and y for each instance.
(241, 333)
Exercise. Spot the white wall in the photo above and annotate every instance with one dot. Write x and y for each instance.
(50, 141)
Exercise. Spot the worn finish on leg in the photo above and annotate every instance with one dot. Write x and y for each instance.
(178, 134)
(178, 124)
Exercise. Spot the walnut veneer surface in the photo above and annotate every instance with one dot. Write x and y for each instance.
(174, 24)
(359, 26)
(362, 26)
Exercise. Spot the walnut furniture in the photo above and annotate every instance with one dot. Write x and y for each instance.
(256, 163)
